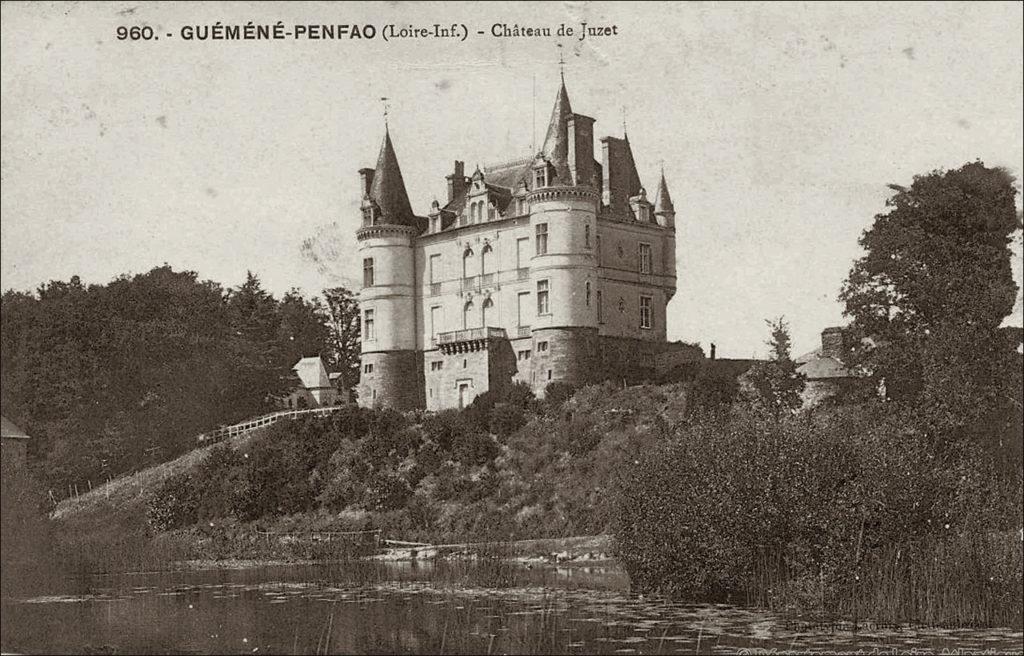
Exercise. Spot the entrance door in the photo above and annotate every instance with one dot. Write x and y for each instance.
(463, 395)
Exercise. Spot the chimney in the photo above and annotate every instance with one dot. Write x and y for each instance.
(365, 181)
(832, 343)
(712, 350)
(581, 149)
(457, 180)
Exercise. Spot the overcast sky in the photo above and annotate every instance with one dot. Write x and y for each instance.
(779, 127)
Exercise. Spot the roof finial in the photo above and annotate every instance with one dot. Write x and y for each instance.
(561, 63)
(623, 120)
(384, 101)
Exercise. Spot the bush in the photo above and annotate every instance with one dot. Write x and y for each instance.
(506, 419)
(173, 504)
(557, 393)
(738, 506)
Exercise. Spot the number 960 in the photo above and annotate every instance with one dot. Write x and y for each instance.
(135, 33)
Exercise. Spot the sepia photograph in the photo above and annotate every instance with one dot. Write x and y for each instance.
(511, 328)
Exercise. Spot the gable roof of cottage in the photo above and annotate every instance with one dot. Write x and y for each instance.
(312, 373)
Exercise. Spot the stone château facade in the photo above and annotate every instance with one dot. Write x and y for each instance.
(552, 268)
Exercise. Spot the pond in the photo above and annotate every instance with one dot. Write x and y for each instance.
(459, 607)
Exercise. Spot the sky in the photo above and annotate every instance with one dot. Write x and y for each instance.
(779, 127)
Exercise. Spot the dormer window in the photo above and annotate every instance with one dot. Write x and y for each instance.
(540, 177)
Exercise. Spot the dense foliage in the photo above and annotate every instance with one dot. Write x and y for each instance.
(929, 298)
(108, 378)
(810, 504)
(507, 467)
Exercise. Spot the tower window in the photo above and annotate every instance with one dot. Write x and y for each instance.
(368, 332)
(542, 297)
(542, 238)
(600, 308)
(368, 368)
(586, 236)
(645, 258)
(542, 347)
(646, 313)
(587, 293)
(367, 272)
(540, 178)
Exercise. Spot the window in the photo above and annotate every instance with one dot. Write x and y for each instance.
(540, 178)
(542, 238)
(542, 297)
(549, 374)
(542, 347)
(367, 216)
(466, 273)
(642, 212)
(487, 260)
(487, 313)
(437, 366)
(522, 254)
(600, 308)
(586, 236)
(522, 305)
(645, 258)
(645, 311)
(368, 333)
(435, 268)
(433, 224)
(523, 355)
(465, 363)
(599, 250)
(435, 321)
(368, 368)
(367, 272)
(587, 294)
(490, 212)
(467, 315)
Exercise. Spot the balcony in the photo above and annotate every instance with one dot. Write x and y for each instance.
(487, 279)
(471, 283)
(470, 339)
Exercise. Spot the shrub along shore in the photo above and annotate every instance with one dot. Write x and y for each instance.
(848, 512)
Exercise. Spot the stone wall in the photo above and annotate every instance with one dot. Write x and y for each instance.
(396, 380)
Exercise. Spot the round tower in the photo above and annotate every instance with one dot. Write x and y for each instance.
(564, 201)
(390, 373)
(665, 214)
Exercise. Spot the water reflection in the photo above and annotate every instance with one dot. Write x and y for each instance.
(450, 607)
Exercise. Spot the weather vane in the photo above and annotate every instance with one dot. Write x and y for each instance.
(561, 62)
(384, 101)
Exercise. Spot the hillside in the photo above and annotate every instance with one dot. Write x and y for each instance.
(537, 470)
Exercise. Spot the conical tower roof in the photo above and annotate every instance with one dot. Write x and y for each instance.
(663, 201)
(556, 142)
(388, 188)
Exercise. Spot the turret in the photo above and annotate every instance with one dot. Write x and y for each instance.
(386, 300)
(564, 197)
(664, 210)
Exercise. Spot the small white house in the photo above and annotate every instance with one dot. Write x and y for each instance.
(315, 387)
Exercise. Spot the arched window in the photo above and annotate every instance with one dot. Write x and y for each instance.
(468, 316)
(472, 212)
(467, 257)
(487, 313)
(487, 260)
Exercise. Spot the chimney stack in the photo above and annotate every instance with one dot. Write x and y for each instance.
(833, 343)
(365, 181)
(457, 180)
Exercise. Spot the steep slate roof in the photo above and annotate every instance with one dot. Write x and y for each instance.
(663, 201)
(556, 142)
(388, 188)
(312, 373)
(11, 430)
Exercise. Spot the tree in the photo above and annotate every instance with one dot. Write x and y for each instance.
(775, 385)
(343, 310)
(930, 294)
